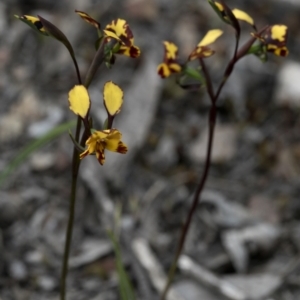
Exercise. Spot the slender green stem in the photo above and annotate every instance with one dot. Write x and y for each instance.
(77, 69)
(69, 231)
(75, 170)
(186, 226)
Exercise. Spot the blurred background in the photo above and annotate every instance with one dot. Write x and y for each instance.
(245, 236)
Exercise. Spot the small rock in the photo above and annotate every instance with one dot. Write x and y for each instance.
(34, 257)
(27, 109)
(18, 270)
(90, 284)
(165, 155)
(253, 135)
(46, 283)
(194, 291)
(10, 128)
(288, 88)
(224, 145)
(260, 238)
(91, 251)
(218, 211)
(42, 161)
(256, 286)
(9, 208)
(54, 117)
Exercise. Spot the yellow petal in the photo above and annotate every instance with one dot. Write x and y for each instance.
(241, 15)
(111, 34)
(219, 9)
(174, 67)
(279, 51)
(163, 70)
(30, 18)
(113, 98)
(279, 32)
(282, 51)
(101, 135)
(219, 6)
(120, 27)
(171, 50)
(201, 52)
(210, 37)
(79, 100)
(84, 153)
(92, 143)
(114, 143)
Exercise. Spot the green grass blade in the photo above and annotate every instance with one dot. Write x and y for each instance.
(125, 287)
(33, 146)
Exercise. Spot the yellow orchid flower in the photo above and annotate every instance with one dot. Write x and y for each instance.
(274, 38)
(202, 50)
(170, 64)
(109, 139)
(120, 30)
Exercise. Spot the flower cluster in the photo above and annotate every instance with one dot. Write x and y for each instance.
(171, 62)
(271, 39)
(118, 30)
(117, 38)
(99, 140)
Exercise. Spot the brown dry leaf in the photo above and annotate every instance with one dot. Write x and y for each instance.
(287, 165)
(264, 208)
(142, 9)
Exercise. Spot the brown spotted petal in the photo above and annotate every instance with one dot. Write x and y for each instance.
(86, 17)
(202, 50)
(132, 51)
(120, 31)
